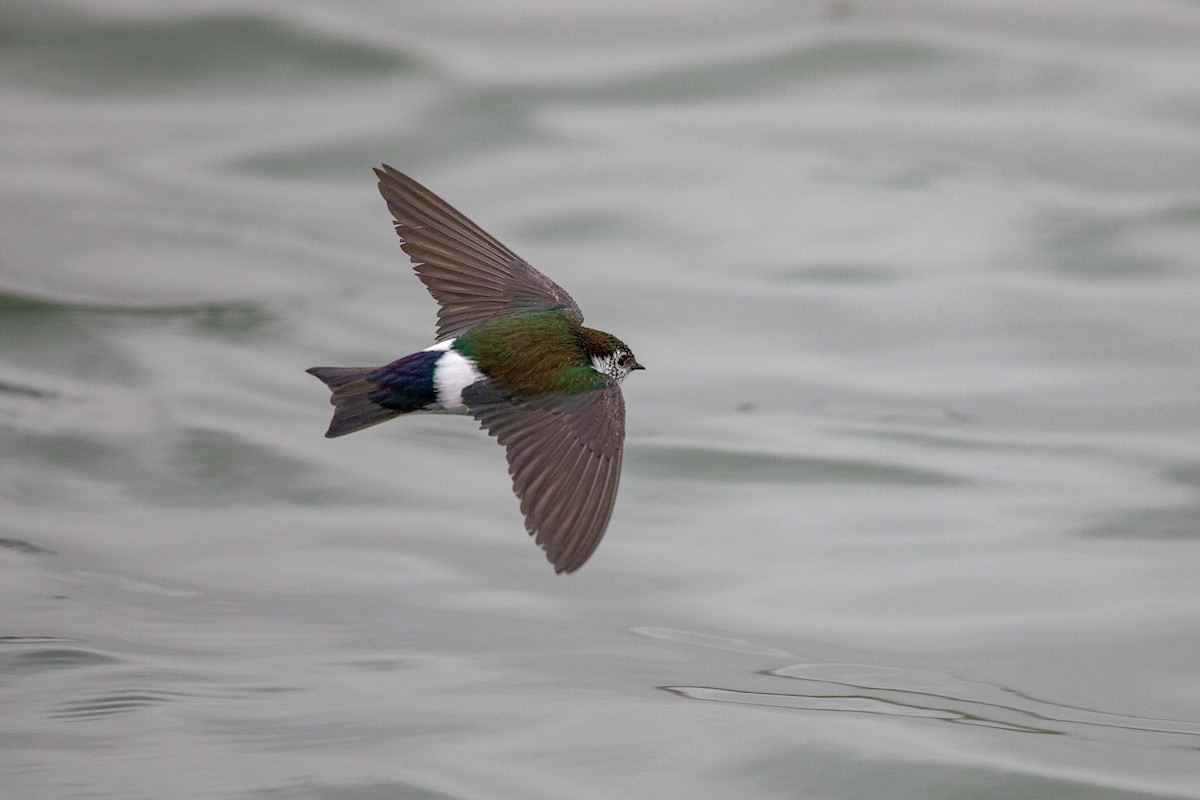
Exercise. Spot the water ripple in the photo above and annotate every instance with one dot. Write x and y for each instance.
(912, 693)
(703, 463)
(243, 51)
(106, 705)
(238, 316)
(708, 640)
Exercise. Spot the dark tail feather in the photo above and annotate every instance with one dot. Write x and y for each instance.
(353, 408)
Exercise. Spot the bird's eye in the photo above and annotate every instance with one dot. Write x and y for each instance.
(623, 360)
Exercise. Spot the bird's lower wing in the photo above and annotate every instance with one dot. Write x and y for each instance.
(564, 456)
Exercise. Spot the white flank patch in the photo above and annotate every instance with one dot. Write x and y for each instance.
(453, 373)
(445, 344)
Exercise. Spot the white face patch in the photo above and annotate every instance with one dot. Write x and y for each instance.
(453, 373)
(610, 364)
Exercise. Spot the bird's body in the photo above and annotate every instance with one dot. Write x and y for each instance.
(513, 352)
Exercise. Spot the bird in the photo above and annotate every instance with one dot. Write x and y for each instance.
(511, 350)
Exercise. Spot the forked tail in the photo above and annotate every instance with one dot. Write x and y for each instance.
(353, 405)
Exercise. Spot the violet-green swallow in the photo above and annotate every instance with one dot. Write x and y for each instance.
(511, 351)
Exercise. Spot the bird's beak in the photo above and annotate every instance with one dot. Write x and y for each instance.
(637, 366)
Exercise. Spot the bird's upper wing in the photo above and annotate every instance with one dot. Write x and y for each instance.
(471, 275)
(564, 456)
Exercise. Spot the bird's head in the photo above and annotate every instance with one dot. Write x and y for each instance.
(610, 356)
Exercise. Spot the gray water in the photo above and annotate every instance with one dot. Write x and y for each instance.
(911, 501)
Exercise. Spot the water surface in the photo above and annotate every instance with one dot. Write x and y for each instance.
(911, 503)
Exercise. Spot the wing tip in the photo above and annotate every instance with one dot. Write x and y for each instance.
(568, 566)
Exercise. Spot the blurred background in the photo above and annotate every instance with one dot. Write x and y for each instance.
(911, 502)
